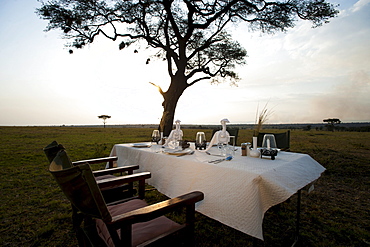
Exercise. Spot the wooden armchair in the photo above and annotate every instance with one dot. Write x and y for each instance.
(110, 193)
(130, 223)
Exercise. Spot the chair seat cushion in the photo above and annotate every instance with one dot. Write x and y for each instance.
(141, 232)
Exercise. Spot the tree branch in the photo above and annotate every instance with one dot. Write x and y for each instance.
(199, 79)
(159, 88)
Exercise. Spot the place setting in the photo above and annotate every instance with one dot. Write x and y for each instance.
(173, 144)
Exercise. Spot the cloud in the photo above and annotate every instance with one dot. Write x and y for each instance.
(359, 5)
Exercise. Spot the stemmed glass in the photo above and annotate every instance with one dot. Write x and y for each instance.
(156, 137)
(230, 148)
(221, 148)
(155, 140)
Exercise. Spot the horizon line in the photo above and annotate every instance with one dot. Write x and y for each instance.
(185, 124)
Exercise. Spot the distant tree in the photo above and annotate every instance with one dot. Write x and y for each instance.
(104, 117)
(191, 36)
(331, 122)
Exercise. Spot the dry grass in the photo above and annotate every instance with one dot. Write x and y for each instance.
(261, 118)
(34, 212)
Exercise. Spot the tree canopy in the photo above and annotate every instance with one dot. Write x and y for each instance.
(190, 35)
(104, 117)
(331, 122)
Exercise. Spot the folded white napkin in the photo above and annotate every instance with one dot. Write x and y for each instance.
(175, 134)
(221, 136)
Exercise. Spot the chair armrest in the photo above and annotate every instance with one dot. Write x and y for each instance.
(153, 211)
(114, 182)
(123, 179)
(96, 161)
(128, 169)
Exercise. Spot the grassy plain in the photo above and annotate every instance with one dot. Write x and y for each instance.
(34, 212)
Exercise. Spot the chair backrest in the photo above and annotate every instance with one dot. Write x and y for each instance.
(52, 149)
(79, 186)
(282, 140)
(232, 132)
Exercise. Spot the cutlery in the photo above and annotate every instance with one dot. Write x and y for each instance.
(216, 161)
(214, 154)
(220, 160)
(186, 154)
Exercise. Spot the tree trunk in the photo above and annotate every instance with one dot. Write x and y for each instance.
(171, 97)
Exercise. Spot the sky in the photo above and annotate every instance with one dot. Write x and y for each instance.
(302, 76)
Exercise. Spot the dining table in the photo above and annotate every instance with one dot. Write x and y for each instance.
(237, 192)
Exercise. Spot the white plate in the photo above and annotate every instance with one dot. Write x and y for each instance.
(176, 151)
(141, 145)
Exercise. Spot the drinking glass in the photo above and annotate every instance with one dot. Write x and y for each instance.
(269, 141)
(200, 138)
(176, 140)
(156, 148)
(230, 148)
(222, 148)
(156, 137)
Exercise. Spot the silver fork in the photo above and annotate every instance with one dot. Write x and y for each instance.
(216, 161)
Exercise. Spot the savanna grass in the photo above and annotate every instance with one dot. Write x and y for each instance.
(34, 212)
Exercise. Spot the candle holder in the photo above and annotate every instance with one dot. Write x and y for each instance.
(269, 152)
(269, 141)
(200, 141)
(201, 146)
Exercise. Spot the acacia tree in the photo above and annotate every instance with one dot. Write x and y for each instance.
(331, 122)
(104, 117)
(191, 35)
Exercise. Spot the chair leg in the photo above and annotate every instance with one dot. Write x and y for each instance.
(141, 189)
(257, 242)
(190, 227)
(126, 235)
(130, 185)
(298, 218)
(80, 234)
(90, 232)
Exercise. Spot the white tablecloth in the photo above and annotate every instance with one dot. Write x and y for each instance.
(237, 193)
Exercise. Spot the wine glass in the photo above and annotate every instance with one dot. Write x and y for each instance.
(177, 137)
(269, 141)
(156, 137)
(230, 148)
(221, 148)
